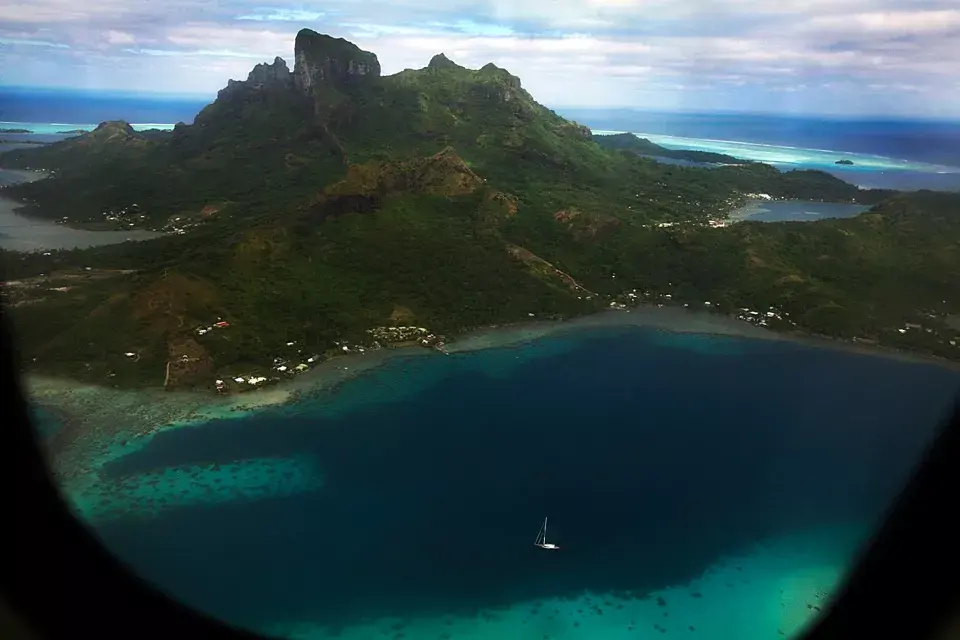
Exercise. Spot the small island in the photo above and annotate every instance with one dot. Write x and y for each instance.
(15, 131)
(844, 162)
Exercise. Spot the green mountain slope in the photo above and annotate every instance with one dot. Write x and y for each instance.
(280, 135)
(328, 202)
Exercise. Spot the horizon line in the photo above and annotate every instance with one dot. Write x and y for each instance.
(208, 98)
(10, 88)
(861, 117)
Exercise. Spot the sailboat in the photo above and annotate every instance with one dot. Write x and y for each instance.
(541, 540)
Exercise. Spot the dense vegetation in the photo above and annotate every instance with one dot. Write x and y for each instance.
(327, 201)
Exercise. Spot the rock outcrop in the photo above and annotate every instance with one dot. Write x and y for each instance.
(321, 61)
(276, 74)
(576, 130)
(509, 79)
(440, 62)
(325, 68)
(262, 77)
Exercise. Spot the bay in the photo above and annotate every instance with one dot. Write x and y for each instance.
(691, 480)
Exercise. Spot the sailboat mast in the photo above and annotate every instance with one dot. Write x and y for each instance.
(544, 531)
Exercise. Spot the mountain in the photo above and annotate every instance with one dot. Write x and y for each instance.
(319, 207)
(283, 134)
(109, 141)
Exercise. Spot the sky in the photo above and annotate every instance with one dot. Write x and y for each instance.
(843, 57)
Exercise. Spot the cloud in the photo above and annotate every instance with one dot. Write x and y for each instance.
(282, 15)
(188, 53)
(26, 42)
(813, 55)
(891, 22)
(120, 37)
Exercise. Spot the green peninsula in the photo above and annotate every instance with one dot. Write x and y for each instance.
(641, 146)
(331, 209)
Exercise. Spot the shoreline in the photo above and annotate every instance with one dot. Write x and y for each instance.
(100, 424)
(754, 207)
(869, 160)
(25, 175)
(50, 231)
(28, 234)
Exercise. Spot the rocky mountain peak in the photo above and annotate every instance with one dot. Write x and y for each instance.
(441, 61)
(510, 79)
(321, 61)
(273, 74)
(108, 133)
(114, 128)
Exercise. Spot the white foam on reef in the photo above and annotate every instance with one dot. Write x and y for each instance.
(771, 591)
(788, 156)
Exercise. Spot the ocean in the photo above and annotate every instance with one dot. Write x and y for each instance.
(934, 142)
(795, 210)
(896, 153)
(55, 110)
(888, 154)
(699, 486)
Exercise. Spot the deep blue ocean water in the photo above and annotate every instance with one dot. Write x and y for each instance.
(889, 154)
(929, 141)
(86, 107)
(652, 453)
